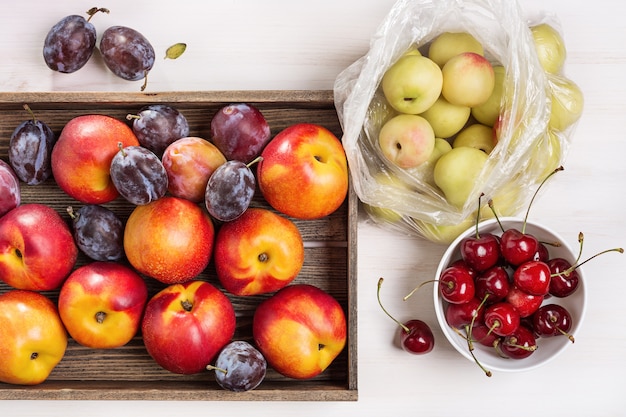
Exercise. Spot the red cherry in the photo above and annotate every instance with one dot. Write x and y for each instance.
(481, 252)
(525, 304)
(520, 344)
(415, 335)
(542, 253)
(532, 277)
(502, 318)
(456, 285)
(417, 338)
(461, 315)
(480, 333)
(518, 247)
(552, 320)
(494, 282)
(563, 280)
(460, 263)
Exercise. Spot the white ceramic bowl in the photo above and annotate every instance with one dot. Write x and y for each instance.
(548, 348)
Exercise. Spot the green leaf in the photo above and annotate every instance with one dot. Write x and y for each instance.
(175, 50)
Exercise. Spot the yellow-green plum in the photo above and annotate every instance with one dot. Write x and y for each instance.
(449, 44)
(468, 79)
(412, 84)
(488, 112)
(550, 47)
(456, 173)
(446, 119)
(477, 136)
(407, 140)
(567, 103)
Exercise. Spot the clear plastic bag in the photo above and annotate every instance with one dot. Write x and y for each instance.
(407, 200)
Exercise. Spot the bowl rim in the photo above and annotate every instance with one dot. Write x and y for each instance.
(451, 335)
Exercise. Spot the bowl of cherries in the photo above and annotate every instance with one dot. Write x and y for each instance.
(510, 294)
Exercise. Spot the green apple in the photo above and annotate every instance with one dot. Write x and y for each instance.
(468, 79)
(407, 140)
(450, 44)
(412, 84)
(477, 136)
(488, 112)
(446, 119)
(567, 103)
(550, 47)
(457, 171)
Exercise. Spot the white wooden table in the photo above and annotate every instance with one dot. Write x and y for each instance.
(280, 44)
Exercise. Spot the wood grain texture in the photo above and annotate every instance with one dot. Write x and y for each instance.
(128, 372)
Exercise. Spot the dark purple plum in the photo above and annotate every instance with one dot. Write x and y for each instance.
(70, 42)
(240, 367)
(10, 192)
(30, 150)
(229, 190)
(127, 53)
(138, 175)
(159, 125)
(98, 232)
(240, 131)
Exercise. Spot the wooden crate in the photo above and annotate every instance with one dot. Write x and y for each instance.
(129, 373)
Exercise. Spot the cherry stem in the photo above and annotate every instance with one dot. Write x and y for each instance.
(406, 297)
(513, 343)
(478, 215)
(535, 195)
(576, 265)
(380, 283)
(490, 204)
(471, 351)
(564, 333)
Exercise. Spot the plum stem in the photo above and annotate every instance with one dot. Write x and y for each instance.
(215, 368)
(91, 12)
(254, 161)
(30, 111)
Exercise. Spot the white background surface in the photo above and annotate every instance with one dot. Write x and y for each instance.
(246, 44)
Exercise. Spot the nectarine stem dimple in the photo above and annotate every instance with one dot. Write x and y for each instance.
(263, 257)
(34, 355)
(100, 316)
(187, 305)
